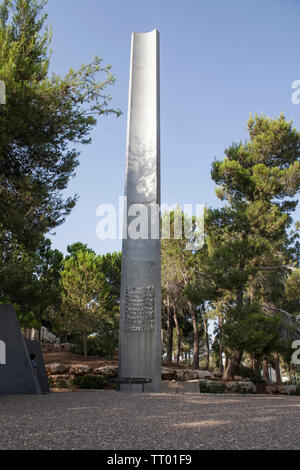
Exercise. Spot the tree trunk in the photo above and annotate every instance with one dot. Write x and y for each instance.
(169, 335)
(266, 369)
(257, 368)
(178, 347)
(195, 363)
(162, 343)
(85, 348)
(205, 323)
(233, 364)
(277, 369)
(226, 360)
(221, 368)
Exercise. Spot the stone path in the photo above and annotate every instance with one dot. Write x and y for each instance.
(117, 421)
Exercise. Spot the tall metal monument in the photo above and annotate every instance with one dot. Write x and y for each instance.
(140, 310)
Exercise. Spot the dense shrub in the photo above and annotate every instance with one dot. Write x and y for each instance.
(60, 383)
(89, 381)
(240, 388)
(246, 372)
(99, 345)
(211, 387)
(50, 382)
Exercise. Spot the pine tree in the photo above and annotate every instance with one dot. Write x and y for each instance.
(87, 297)
(248, 238)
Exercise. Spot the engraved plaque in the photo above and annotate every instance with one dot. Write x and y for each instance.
(140, 309)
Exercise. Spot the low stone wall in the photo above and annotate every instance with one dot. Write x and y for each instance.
(60, 375)
(112, 371)
(173, 380)
(208, 386)
(283, 389)
(167, 373)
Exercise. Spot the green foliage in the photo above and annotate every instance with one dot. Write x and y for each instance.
(89, 300)
(264, 170)
(292, 286)
(101, 344)
(240, 388)
(183, 287)
(250, 250)
(246, 372)
(251, 330)
(60, 383)
(32, 283)
(111, 268)
(215, 387)
(42, 120)
(50, 382)
(76, 248)
(95, 382)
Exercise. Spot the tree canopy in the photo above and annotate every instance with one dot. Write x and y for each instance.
(43, 120)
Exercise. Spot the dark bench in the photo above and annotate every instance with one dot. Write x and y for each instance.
(131, 381)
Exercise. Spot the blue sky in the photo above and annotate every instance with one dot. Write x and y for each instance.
(220, 60)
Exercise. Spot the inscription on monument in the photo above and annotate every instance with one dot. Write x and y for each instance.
(140, 309)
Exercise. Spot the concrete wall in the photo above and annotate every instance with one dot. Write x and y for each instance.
(43, 334)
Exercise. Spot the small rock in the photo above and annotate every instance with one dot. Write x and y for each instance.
(80, 369)
(270, 389)
(190, 374)
(217, 375)
(167, 373)
(203, 374)
(55, 369)
(184, 374)
(110, 371)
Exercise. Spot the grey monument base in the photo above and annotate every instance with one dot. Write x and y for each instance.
(34, 347)
(16, 372)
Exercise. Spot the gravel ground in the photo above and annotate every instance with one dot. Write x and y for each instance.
(123, 421)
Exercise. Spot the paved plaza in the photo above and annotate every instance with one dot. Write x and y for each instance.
(118, 421)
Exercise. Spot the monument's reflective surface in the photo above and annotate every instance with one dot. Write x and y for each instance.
(140, 310)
